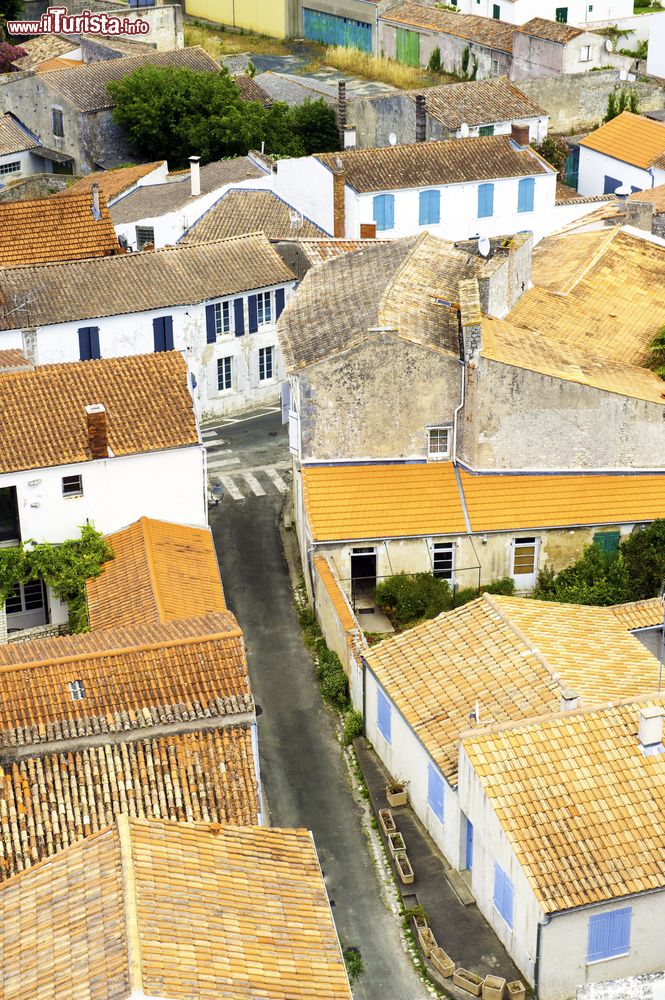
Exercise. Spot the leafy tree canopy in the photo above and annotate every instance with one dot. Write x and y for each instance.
(597, 577)
(10, 10)
(173, 113)
(8, 53)
(644, 556)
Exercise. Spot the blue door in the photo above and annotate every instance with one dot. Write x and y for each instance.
(469, 844)
(330, 29)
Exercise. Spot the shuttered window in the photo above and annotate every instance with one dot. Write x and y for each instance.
(384, 211)
(279, 302)
(238, 317)
(429, 212)
(485, 201)
(607, 541)
(486, 130)
(609, 934)
(162, 329)
(89, 343)
(144, 234)
(435, 791)
(525, 194)
(266, 363)
(503, 895)
(252, 313)
(383, 720)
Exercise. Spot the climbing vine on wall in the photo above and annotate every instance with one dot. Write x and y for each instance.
(64, 568)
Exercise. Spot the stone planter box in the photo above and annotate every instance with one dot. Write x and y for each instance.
(468, 981)
(443, 964)
(426, 938)
(516, 990)
(404, 869)
(493, 988)
(396, 844)
(396, 799)
(387, 822)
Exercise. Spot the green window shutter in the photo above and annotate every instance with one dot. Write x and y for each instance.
(486, 130)
(607, 541)
(408, 47)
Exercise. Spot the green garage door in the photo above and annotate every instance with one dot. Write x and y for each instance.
(329, 29)
(408, 47)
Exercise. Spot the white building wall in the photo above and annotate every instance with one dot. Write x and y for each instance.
(537, 128)
(656, 56)
(28, 164)
(521, 11)
(306, 184)
(595, 166)
(166, 485)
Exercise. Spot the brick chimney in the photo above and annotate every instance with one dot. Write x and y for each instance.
(650, 733)
(341, 110)
(98, 441)
(195, 175)
(421, 118)
(96, 211)
(339, 210)
(520, 134)
(368, 230)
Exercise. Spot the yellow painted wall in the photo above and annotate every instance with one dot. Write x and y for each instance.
(267, 17)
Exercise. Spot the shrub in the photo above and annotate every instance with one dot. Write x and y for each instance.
(334, 685)
(597, 577)
(656, 360)
(555, 150)
(464, 595)
(354, 963)
(505, 586)
(353, 727)
(465, 60)
(644, 555)
(434, 64)
(8, 53)
(408, 599)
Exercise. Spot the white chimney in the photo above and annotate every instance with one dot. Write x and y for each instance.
(569, 700)
(195, 175)
(96, 213)
(650, 733)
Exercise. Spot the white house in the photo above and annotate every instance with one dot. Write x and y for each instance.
(628, 151)
(21, 152)
(161, 213)
(102, 441)
(215, 302)
(568, 841)
(656, 54)
(577, 12)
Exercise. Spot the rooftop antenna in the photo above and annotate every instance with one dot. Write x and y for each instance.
(484, 246)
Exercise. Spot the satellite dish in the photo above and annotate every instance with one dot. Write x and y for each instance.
(464, 129)
(623, 191)
(392, 139)
(609, 46)
(484, 246)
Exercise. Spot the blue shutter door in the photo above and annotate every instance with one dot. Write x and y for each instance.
(598, 942)
(158, 333)
(168, 333)
(525, 195)
(238, 317)
(435, 791)
(469, 844)
(94, 342)
(485, 200)
(211, 333)
(84, 343)
(379, 211)
(390, 211)
(279, 302)
(383, 715)
(252, 314)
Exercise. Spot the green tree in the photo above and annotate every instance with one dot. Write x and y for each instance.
(644, 556)
(10, 10)
(555, 150)
(597, 577)
(314, 123)
(612, 107)
(434, 64)
(656, 360)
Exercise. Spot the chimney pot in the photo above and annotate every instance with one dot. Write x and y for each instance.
(96, 211)
(195, 175)
(97, 430)
(341, 108)
(421, 123)
(520, 134)
(650, 733)
(569, 700)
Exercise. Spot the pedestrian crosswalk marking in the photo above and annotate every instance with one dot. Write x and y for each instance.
(221, 463)
(274, 475)
(231, 487)
(254, 484)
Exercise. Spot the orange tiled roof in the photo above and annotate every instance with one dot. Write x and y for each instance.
(13, 138)
(655, 196)
(13, 359)
(147, 400)
(583, 808)
(45, 229)
(188, 910)
(629, 138)
(133, 679)
(640, 614)
(338, 600)
(159, 572)
(111, 183)
(53, 800)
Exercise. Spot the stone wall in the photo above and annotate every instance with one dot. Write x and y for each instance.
(579, 101)
(36, 186)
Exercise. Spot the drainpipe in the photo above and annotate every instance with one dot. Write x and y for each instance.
(365, 668)
(536, 968)
(457, 410)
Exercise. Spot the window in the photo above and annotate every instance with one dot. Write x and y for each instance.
(11, 168)
(435, 791)
(485, 201)
(72, 486)
(144, 234)
(222, 312)
(496, 12)
(611, 184)
(503, 895)
(224, 374)
(438, 442)
(384, 212)
(89, 343)
(26, 597)
(429, 211)
(525, 561)
(486, 130)
(58, 123)
(443, 559)
(264, 307)
(562, 15)
(383, 720)
(265, 363)
(607, 541)
(494, 67)
(526, 188)
(9, 525)
(162, 329)
(609, 935)
(76, 690)
(585, 53)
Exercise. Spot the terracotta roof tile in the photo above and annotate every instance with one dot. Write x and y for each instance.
(640, 614)
(421, 164)
(656, 197)
(629, 138)
(478, 102)
(131, 681)
(246, 211)
(14, 139)
(583, 808)
(318, 251)
(250, 90)
(54, 229)
(147, 400)
(335, 593)
(12, 359)
(551, 31)
(41, 48)
(159, 572)
(188, 910)
(111, 183)
(483, 30)
(136, 282)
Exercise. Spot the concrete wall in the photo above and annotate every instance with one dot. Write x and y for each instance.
(595, 166)
(35, 186)
(267, 17)
(538, 57)
(337, 421)
(491, 62)
(571, 426)
(339, 636)
(579, 101)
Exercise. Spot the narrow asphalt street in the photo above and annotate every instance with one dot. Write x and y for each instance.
(304, 776)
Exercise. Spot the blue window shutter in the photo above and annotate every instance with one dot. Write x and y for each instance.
(279, 302)
(503, 894)
(485, 200)
(620, 930)
(211, 332)
(423, 208)
(390, 211)
(383, 715)
(525, 195)
(609, 934)
(158, 333)
(435, 791)
(94, 342)
(84, 343)
(498, 887)
(168, 333)
(379, 210)
(238, 317)
(252, 314)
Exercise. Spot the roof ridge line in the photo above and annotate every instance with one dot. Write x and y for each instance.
(567, 289)
(152, 569)
(531, 646)
(420, 238)
(130, 913)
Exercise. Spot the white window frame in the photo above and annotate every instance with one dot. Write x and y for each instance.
(222, 374)
(14, 167)
(76, 690)
(72, 486)
(223, 318)
(264, 308)
(265, 354)
(450, 547)
(521, 542)
(439, 456)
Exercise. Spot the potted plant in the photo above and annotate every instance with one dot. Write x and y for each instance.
(516, 990)
(396, 843)
(493, 988)
(387, 822)
(468, 981)
(396, 793)
(426, 940)
(404, 869)
(442, 963)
